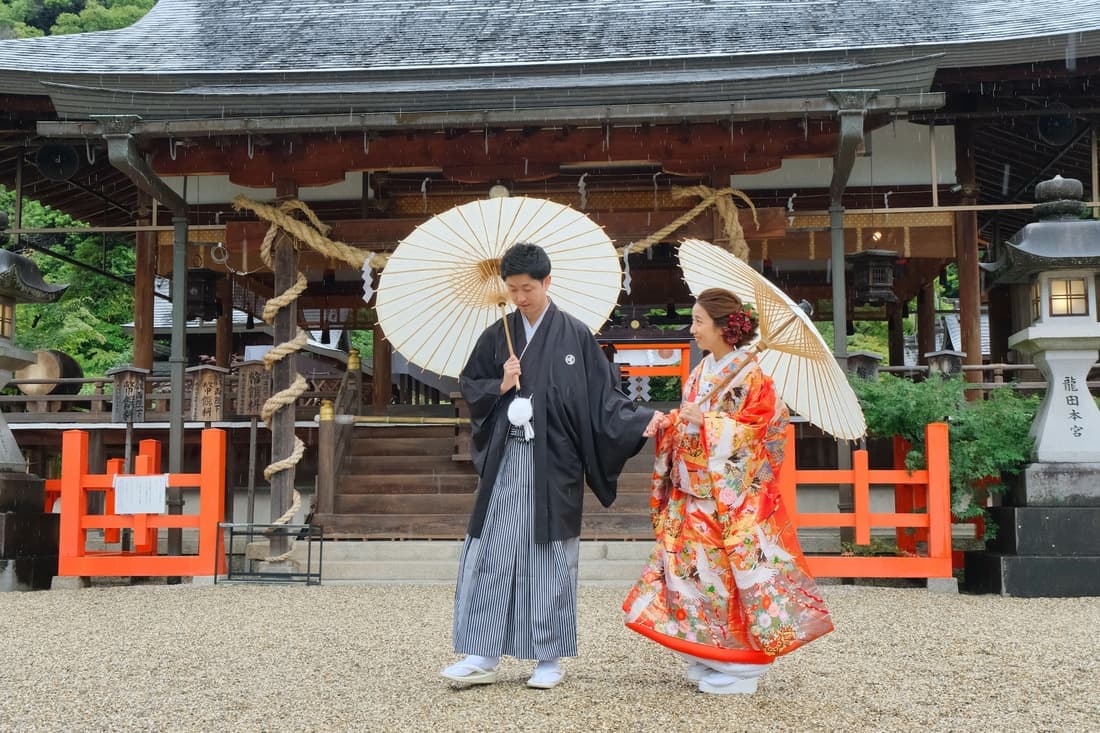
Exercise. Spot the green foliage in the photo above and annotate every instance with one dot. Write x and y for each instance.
(665, 389)
(29, 18)
(101, 16)
(987, 438)
(869, 336)
(951, 275)
(364, 341)
(86, 322)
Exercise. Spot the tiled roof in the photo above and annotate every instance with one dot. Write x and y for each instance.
(313, 35)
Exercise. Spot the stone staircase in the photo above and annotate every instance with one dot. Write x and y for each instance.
(436, 561)
(404, 483)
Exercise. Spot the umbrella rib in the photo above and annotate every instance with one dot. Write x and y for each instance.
(464, 315)
(507, 235)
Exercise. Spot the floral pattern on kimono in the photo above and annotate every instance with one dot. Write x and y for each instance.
(727, 579)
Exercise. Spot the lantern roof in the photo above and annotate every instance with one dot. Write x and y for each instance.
(21, 280)
(1060, 240)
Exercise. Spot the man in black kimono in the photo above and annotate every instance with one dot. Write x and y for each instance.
(517, 584)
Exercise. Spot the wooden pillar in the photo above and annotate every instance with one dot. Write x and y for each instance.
(926, 320)
(145, 249)
(285, 266)
(383, 372)
(326, 458)
(966, 254)
(97, 463)
(896, 335)
(223, 339)
(1000, 323)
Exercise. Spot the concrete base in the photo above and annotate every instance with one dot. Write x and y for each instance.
(1050, 531)
(1057, 484)
(1030, 576)
(28, 534)
(28, 573)
(70, 583)
(943, 585)
(202, 581)
(22, 492)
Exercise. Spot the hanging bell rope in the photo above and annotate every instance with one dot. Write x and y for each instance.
(721, 199)
(314, 233)
(315, 236)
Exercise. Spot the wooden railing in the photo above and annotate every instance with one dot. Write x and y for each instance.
(75, 559)
(93, 402)
(1021, 377)
(934, 483)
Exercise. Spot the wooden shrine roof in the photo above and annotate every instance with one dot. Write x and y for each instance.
(186, 37)
(192, 59)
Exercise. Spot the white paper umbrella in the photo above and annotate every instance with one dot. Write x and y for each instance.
(791, 350)
(441, 287)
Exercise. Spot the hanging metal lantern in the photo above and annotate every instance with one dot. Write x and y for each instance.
(202, 295)
(873, 277)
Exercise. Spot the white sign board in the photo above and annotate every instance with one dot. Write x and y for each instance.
(141, 494)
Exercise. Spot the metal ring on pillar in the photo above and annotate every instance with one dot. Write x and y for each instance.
(219, 254)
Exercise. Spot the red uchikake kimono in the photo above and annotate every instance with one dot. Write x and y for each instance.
(727, 580)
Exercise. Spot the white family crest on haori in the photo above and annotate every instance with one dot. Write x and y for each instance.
(791, 350)
(442, 288)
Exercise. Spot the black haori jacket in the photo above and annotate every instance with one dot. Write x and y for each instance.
(585, 427)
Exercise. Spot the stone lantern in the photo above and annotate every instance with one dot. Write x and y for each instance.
(946, 362)
(28, 535)
(1049, 541)
(1059, 258)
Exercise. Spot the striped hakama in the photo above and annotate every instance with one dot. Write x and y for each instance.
(516, 597)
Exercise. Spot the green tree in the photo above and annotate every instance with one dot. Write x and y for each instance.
(101, 16)
(86, 322)
(988, 438)
(30, 18)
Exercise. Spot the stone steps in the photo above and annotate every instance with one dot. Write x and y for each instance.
(436, 561)
(462, 503)
(605, 524)
(403, 482)
(427, 561)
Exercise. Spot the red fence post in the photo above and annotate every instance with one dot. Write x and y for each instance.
(939, 494)
(211, 498)
(74, 463)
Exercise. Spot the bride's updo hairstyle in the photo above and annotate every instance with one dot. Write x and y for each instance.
(736, 320)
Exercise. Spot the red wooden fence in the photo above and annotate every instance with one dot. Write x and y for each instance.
(76, 483)
(932, 521)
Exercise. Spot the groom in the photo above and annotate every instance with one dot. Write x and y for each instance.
(517, 584)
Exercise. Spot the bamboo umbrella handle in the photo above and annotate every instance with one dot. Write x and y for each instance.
(508, 336)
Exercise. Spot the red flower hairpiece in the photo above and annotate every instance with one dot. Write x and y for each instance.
(740, 326)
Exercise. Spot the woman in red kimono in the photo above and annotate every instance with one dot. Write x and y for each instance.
(727, 585)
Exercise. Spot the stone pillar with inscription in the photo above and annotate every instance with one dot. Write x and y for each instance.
(128, 403)
(207, 393)
(1048, 543)
(253, 390)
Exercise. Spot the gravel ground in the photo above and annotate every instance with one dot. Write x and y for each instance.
(335, 658)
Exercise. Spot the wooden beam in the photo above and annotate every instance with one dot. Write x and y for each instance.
(145, 251)
(382, 379)
(223, 340)
(321, 159)
(242, 238)
(967, 256)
